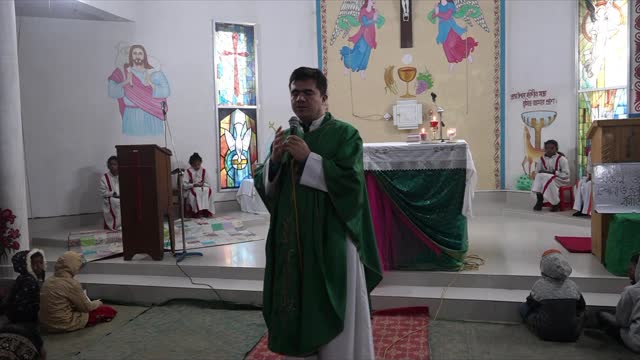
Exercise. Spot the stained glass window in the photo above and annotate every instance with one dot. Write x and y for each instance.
(603, 69)
(238, 146)
(235, 64)
(236, 102)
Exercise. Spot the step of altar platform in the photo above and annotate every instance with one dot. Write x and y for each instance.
(453, 303)
(505, 232)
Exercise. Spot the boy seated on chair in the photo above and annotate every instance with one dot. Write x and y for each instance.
(552, 172)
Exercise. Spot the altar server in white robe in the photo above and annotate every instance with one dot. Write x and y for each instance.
(198, 196)
(109, 189)
(552, 172)
(582, 203)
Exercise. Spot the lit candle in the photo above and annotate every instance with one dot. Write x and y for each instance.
(434, 122)
(423, 135)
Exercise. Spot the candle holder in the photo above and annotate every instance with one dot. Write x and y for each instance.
(423, 135)
(451, 133)
(434, 128)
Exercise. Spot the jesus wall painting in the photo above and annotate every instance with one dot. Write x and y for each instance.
(140, 88)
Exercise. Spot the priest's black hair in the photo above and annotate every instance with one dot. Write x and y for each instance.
(634, 258)
(552, 142)
(112, 158)
(307, 73)
(195, 157)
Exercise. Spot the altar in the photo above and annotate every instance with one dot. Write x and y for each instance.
(420, 197)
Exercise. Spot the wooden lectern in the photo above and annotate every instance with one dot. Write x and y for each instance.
(612, 141)
(145, 199)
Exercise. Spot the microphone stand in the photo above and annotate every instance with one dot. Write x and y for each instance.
(184, 254)
(440, 113)
(164, 113)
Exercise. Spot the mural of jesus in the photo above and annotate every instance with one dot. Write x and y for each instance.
(140, 90)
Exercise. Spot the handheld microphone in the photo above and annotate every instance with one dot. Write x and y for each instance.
(294, 124)
(164, 107)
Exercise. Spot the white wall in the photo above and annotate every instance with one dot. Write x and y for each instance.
(123, 9)
(540, 54)
(71, 125)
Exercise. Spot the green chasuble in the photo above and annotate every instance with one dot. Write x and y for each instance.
(305, 285)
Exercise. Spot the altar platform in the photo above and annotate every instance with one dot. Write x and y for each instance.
(504, 232)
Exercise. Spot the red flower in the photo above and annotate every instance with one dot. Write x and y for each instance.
(8, 236)
(6, 213)
(14, 234)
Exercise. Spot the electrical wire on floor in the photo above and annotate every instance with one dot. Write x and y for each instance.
(218, 296)
(470, 263)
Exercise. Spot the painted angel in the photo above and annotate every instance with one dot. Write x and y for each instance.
(456, 49)
(364, 15)
(603, 22)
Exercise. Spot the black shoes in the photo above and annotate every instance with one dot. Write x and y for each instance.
(538, 206)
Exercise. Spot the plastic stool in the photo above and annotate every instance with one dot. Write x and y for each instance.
(564, 203)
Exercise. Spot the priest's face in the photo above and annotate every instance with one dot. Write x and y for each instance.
(306, 100)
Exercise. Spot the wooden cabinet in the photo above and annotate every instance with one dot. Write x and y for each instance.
(612, 141)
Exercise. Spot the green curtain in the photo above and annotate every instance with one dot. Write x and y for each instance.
(432, 200)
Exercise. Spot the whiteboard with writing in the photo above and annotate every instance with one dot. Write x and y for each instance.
(616, 188)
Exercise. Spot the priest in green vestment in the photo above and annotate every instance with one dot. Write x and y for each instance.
(322, 260)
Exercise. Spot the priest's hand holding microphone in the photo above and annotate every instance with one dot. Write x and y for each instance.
(292, 144)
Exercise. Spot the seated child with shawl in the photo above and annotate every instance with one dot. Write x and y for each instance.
(64, 306)
(555, 309)
(23, 303)
(625, 323)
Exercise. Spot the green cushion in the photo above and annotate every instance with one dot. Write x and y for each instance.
(623, 241)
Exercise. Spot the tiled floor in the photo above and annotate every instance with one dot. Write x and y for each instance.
(510, 244)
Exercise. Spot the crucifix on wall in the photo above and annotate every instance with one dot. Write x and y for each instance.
(406, 24)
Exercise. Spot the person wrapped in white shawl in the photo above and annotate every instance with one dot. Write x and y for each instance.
(552, 173)
(198, 197)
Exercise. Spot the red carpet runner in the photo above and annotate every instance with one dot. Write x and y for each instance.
(575, 244)
(398, 334)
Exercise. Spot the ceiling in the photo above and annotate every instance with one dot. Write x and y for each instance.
(63, 9)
